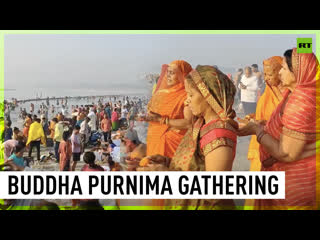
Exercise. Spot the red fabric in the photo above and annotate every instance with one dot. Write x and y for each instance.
(97, 168)
(114, 117)
(299, 115)
(65, 151)
(217, 133)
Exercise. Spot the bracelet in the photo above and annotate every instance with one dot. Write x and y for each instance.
(162, 120)
(167, 121)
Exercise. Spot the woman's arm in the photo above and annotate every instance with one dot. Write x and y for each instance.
(287, 149)
(284, 151)
(220, 159)
(182, 123)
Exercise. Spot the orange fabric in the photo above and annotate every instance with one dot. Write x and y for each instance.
(266, 105)
(169, 102)
(28, 123)
(52, 127)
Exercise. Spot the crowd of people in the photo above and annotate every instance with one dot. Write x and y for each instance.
(192, 126)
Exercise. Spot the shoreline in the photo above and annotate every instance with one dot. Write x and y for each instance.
(75, 97)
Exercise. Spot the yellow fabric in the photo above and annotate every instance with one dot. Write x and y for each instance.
(58, 132)
(154, 88)
(267, 103)
(36, 132)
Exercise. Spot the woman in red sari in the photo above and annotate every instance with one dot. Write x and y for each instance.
(288, 140)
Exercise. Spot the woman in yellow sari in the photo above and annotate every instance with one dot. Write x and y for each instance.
(267, 103)
(167, 115)
(210, 144)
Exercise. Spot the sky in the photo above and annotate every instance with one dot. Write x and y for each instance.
(68, 65)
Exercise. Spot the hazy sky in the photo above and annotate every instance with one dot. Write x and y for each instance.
(107, 61)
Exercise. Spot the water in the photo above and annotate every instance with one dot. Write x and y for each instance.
(18, 122)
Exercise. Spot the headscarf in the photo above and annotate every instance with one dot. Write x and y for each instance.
(165, 102)
(218, 90)
(275, 63)
(300, 113)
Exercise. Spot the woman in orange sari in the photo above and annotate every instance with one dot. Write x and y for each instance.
(267, 103)
(288, 140)
(167, 115)
(27, 124)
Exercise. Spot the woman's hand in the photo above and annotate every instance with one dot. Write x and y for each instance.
(153, 167)
(153, 117)
(132, 164)
(159, 159)
(249, 128)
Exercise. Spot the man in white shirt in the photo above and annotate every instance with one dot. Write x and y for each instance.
(124, 114)
(249, 89)
(84, 133)
(93, 120)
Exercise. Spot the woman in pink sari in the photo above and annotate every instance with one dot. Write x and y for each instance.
(115, 120)
(288, 140)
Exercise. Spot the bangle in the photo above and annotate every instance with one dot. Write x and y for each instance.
(162, 120)
(167, 121)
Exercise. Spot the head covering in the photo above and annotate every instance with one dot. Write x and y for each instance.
(183, 69)
(219, 92)
(171, 95)
(275, 63)
(216, 88)
(305, 96)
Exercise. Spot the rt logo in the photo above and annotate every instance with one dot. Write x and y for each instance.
(304, 45)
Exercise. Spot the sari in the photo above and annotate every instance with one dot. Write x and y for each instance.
(296, 117)
(267, 103)
(26, 128)
(115, 121)
(168, 102)
(201, 139)
(51, 128)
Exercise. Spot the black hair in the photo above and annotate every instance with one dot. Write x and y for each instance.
(65, 135)
(89, 158)
(19, 147)
(288, 55)
(77, 127)
(240, 70)
(254, 65)
(29, 115)
(9, 123)
(15, 129)
(38, 120)
(111, 163)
